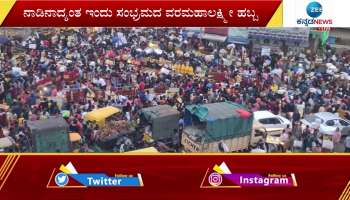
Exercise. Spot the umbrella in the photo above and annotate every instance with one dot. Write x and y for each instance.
(110, 54)
(223, 51)
(331, 68)
(65, 113)
(148, 50)
(158, 51)
(164, 71)
(208, 58)
(209, 85)
(231, 46)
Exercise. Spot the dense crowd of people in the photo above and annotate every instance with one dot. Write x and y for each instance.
(55, 72)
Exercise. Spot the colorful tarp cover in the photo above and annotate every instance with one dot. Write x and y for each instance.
(222, 120)
(200, 111)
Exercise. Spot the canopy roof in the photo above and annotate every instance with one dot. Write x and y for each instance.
(101, 113)
(46, 125)
(159, 111)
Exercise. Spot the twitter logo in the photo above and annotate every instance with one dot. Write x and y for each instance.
(61, 179)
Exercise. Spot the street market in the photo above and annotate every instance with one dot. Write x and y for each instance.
(173, 90)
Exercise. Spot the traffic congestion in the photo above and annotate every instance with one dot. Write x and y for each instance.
(169, 90)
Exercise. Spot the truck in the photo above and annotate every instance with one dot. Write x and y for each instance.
(217, 127)
(160, 122)
(49, 135)
(113, 131)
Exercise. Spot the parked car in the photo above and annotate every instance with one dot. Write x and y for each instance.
(266, 119)
(327, 122)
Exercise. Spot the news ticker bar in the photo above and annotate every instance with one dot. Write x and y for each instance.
(175, 176)
(160, 13)
(131, 13)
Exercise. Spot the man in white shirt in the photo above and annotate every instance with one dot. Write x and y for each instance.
(102, 83)
(62, 68)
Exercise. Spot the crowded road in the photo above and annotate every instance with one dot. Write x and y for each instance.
(70, 72)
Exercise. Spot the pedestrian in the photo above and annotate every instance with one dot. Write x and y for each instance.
(296, 116)
(347, 144)
(336, 136)
(1, 133)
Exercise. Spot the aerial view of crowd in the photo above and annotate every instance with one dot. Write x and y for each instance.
(70, 72)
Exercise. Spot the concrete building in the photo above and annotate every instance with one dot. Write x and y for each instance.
(340, 38)
(20, 32)
(279, 39)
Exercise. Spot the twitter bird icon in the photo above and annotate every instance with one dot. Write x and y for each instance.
(61, 179)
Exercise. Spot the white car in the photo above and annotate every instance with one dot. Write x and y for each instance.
(327, 122)
(267, 119)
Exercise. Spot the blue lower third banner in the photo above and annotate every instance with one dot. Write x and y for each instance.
(68, 177)
(102, 180)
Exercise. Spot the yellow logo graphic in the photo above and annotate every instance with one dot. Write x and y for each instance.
(346, 193)
(7, 167)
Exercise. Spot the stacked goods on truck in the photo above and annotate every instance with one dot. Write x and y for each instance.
(216, 127)
(49, 135)
(112, 128)
(115, 132)
(160, 121)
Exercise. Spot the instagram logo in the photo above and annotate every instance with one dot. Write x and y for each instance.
(215, 179)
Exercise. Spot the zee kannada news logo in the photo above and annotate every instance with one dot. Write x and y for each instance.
(314, 10)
